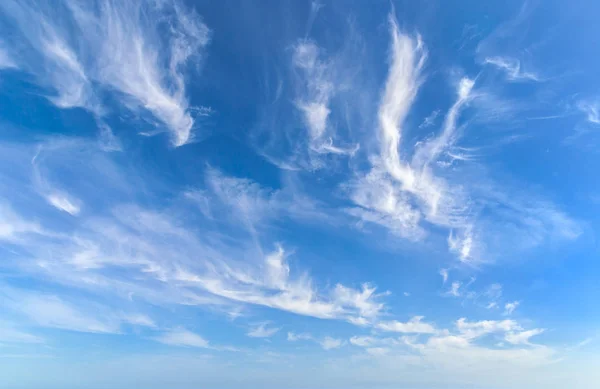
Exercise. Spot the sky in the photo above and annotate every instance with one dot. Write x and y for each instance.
(299, 195)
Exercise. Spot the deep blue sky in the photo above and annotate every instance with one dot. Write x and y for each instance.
(307, 195)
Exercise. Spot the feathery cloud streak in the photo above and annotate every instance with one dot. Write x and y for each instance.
(135, 50)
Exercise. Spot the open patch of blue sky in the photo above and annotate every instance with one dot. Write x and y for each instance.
(291, 194)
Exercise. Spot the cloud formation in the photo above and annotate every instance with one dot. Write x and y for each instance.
(160, 254)
(512, 68)
(183, 338)
(262, 331)
(329, 343)
(136, 51)
(509, 308)
(414, 326)
(365, 168)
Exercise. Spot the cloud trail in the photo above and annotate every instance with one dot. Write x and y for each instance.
(136, 51)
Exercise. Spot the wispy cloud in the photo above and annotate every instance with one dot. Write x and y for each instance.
(523, 336)
(319, 89)
(375, 346)
(400, 191)
(139, 320)
(254, 205)
(444, 274)
(512, 68)
(448, 348)
(329, 343)
(363, 341)
(167, 269)
(408, 189)
(414, 325)
(472, 330)
(294, 337)
(591, 109)
(509, 308)
(63, 203)
(262, 331)
(55, 197)
(455, 289)
(116, 46)
(318, 79)
(430, 120)
(276, 288)
(182, 338)
(139, 238)
(462, 243)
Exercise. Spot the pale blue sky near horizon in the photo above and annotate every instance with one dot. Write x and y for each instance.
(299, 194)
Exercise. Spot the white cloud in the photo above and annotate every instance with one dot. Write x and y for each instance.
(63, 203)
(363, 341)
(373, 343)
(430, 120)
(136, 49)
(408, 57)
(182, 338)
(472, 330)
(430, 150)
(447, 342)
(461, 245)
(151, 255)
(378, 351)
(401, 192)
(107, 139)
(414, 325)
(358, 321)
(523, 336)
(409, 189)
(493, 292)
(455, 289)
(329, 343)
(294, 337)
(57, 198)
(316, 92)
(74, 88)
(509, 308)
(381, 202)
(286, 293)
(591, 109)
(252, 204)
(262, 331)
(139, 320)
(449, 349)
(363, 300)
(319, 88)
(128, 238)
(512, 68)
(444, 274)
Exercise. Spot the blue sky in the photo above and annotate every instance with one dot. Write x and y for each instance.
(306, 195)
